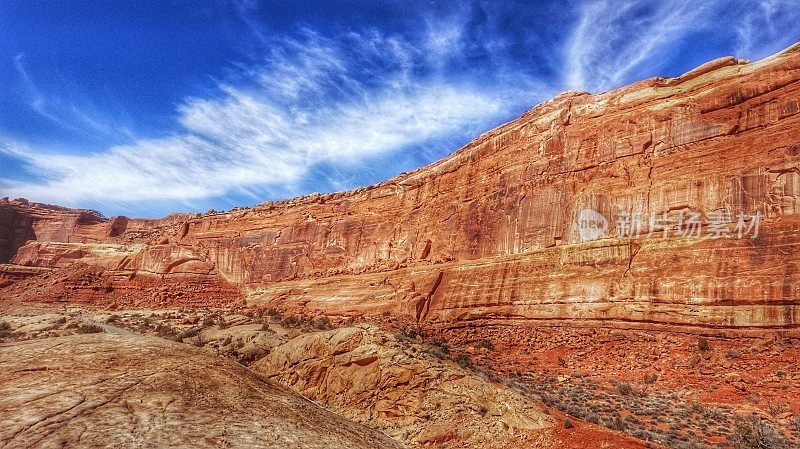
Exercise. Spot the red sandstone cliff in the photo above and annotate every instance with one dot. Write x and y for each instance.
(492, 231)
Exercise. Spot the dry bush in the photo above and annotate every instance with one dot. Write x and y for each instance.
(753, 432)
(485, 344)
(5, 330)
(89, 328)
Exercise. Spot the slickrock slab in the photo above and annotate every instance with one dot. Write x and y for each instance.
(134, 392)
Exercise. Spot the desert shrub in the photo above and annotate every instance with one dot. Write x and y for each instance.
(210, 320)
(89, 328)
(322, 323)
(713, 414)
(199, 341)
(165, 331)
(732, 354)
(441, 344)
(703, 345)
(794, 424)
(616, 424)
(436, 352)
(776, 409)
(486, 344)
(463, 360)
(650, 378)
(189, 333)
(408, 333)
(625, 389)
(753, 432)
(291, 321)
(568, 424)
(5, 330)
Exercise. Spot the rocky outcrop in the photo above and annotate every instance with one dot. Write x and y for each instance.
(130, 391)
(370, 377)
(494, 230)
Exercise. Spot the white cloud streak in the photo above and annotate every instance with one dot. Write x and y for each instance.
(304, 106)
(616, 42)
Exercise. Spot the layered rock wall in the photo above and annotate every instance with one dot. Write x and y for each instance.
(494, 230)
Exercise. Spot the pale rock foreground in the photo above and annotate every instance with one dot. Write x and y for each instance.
(130, 391)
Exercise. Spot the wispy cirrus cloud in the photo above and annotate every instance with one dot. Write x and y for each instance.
(314, 100)
(615, 42)
(337, 108)
(79, 115)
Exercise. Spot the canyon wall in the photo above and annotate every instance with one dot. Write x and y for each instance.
(494, 231)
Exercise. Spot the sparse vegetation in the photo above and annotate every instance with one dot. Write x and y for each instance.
(625, 389)
(486, 344)
(463, 360)
(441, 344)
(322, 323)
(732, 354)
(703, 345)
(568, 424)
(5, 330)
(775, 409)
(409, 333)
(753, 432)
(89, 328)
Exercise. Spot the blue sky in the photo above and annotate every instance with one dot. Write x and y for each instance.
(151, 107)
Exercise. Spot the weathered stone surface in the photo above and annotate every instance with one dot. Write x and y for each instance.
(492, 231)
(131, 391)
(370, 377)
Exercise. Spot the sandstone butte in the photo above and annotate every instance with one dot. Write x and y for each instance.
(490, 233)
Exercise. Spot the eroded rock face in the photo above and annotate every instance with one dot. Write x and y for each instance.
(130, 391)
(493, 231)
(368, 376)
